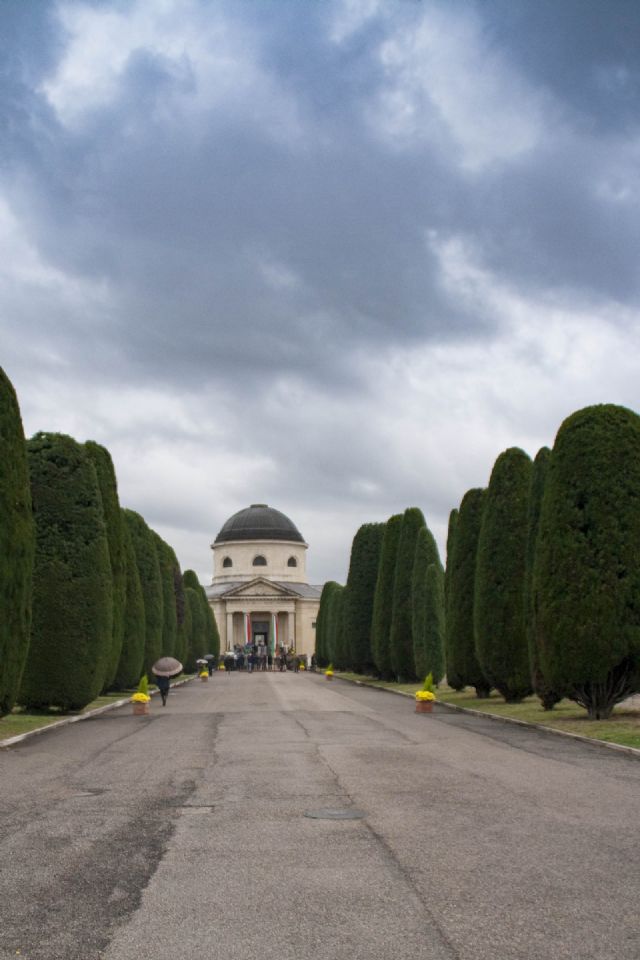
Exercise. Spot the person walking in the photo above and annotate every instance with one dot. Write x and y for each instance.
(163, 685)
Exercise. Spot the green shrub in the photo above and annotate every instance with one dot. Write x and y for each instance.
(71, 637)
(383, 598)
(148, 563)
(586, 578)
(401, 636)
(358, 603)
(427, 598)
(114, 522)
(17, 545)
(133, 639)
(463, 668)
(499, 606)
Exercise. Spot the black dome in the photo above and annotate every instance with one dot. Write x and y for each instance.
(259, 522)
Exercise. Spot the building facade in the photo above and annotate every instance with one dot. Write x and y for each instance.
(260, 592)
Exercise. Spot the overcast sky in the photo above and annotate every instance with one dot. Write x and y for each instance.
(329, 255)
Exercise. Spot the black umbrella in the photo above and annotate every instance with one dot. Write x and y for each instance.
(209, 656)
(167, 667)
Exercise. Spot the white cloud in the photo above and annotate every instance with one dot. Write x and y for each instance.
(214, 62)
(446, 84)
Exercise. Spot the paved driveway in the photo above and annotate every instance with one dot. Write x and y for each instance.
(185, 835)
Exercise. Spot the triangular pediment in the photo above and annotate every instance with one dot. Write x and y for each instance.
(259, 587)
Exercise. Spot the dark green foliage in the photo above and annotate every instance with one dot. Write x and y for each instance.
(427, 599)
(451, 535)
(17, 545)
(72, 593)
(197, 635)
(383, 598)
(548, 696)
(146, 553)
(501, 639)
(181, 616)
(463, 668)
(133, 640)
(211, 643)
(114, 522)
(322, 624)
(168, 565)
(358, 602)
(336, 633)
(401, 637)
(586, 580)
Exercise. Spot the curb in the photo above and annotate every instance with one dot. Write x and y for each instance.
(592, 741)
(13, 741)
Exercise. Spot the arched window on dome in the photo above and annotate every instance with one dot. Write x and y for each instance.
(292, 562)
(259, 561)
(227, 562)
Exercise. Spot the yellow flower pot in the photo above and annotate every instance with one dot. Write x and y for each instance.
(424, 706)
(140, 709)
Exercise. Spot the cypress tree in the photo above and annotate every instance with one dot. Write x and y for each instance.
(358, 603)
(183, 628)
(197, 636)
(17, 545)
(168, 563)
(427, 600)
(322, 625)
(548, 696)
(451, 534)
(462, 661)
(383, 598)
(401, 638)
(114, 521)
(336, 636)
(210, 628)
(129, 668)
(72, 587)
(151, 582)
(586, 579)
(501, 639)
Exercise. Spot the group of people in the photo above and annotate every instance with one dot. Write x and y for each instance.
(257, 657)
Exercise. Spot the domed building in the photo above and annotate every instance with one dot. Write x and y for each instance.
(259, 592)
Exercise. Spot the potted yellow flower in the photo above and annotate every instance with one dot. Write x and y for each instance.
(329, 672)
(141, 698)
(204, 674)
(425, 698)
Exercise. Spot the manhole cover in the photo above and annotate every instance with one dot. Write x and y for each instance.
(328, 814)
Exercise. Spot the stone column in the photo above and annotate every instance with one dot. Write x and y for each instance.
(229, 639)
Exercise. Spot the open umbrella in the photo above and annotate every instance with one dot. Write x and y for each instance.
(202, 661)
(209, 656)
(167, 667)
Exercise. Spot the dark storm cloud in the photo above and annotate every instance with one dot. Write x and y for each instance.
(225, 239)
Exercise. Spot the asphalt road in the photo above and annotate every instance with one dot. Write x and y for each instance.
(185, 834)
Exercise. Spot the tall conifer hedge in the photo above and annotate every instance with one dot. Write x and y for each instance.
(129, 668)
(463, 668)
(427, 598)
(17, 545)
(383, 598)
(543, 689)
(361, 586)
(499, 610)
(401, 636)
(114, 521)
(168, 563)
(323, 651)
(71, 637)
(151, 582)
(586, 580)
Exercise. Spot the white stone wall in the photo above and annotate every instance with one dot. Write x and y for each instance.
(243, 552)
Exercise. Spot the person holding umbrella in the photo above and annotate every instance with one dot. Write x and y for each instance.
(163, 669)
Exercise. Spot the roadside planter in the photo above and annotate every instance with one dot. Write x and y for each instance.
(204, 675)
(140, 703)
(329, 673)
(424, 701)
(141, 698)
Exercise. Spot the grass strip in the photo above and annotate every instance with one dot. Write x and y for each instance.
(24, 721)
(623, 727)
